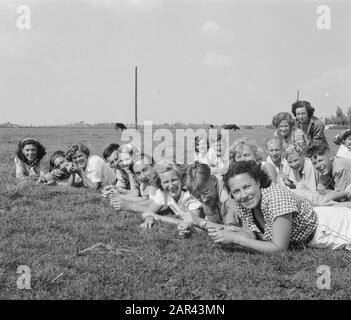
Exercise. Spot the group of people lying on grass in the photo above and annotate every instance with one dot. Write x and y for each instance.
(298, 195)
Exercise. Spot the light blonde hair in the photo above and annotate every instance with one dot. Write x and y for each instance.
(293, 149)
(180, 171)
(252, 144)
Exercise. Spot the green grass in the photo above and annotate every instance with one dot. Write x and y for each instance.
(44, 228)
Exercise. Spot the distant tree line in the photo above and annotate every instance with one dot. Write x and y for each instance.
(340, 118)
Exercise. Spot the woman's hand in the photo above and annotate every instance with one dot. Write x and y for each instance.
(109, 191)
(184, 228)
(225, 235)
(116, 202)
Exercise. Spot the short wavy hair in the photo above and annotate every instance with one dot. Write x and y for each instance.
(292, 149)
(279, 117)
(302, 104)
(251, 168)
(180, 171)
(76, 147)
(41, 152)
(244, 141)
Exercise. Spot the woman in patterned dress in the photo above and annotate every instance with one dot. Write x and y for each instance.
(274, 218)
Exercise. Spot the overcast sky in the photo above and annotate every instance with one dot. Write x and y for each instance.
(213, 61)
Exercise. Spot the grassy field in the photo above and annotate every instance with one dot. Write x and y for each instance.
(45, 228)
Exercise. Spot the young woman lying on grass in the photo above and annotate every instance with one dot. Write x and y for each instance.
(173, 203)
(145, 178)
(90, 171)
(61, 171)
(29, 160)
(274, 218)
(207, 189)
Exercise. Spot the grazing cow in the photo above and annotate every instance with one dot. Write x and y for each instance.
(231, 127)
(120, 125)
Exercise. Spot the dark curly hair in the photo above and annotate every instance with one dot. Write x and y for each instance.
(110, 149)
(41, 152)
(74, 148)
(54, 156)
(342, 136)
(302, 104)
(252, 169)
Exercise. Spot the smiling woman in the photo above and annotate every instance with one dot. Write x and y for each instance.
(287, 131)
(312, 127)
(29, 159)
(172, 195)
(275, 218)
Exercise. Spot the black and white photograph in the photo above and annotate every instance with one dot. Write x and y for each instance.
(190, 151)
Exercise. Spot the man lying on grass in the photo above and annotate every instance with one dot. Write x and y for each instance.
(120, 159)
(273, 217)
(144, 176)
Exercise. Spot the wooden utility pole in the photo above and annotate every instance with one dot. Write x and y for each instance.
(298, 93)
(136, 98)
